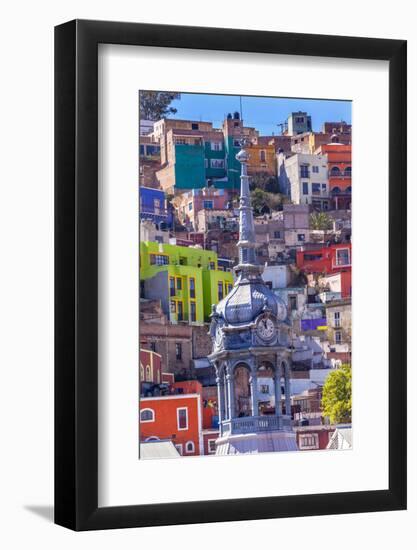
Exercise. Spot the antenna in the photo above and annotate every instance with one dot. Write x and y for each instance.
(241, 111)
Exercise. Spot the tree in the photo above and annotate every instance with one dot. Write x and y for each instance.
(263, 202)
(337, 395)
(320, 220)
(156, 105)
(264, 181)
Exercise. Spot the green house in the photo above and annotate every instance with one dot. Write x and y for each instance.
(186, 280)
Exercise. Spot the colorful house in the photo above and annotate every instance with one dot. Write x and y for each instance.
(186, 280)
(153, 205)
(339, 157)
(334, 259)
(184, 417)
(176, 418)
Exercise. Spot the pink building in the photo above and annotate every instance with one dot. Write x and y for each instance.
(189, 203)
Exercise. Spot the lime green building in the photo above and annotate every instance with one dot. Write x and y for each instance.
(186, 280)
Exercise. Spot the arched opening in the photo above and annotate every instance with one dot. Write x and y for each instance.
(335, 171)
(266, 388)
(242, 391)
(348, 171)
(336, 191)
(148, 373)
(189, 447)
(349, 189)
(152, 438)
(147, 415)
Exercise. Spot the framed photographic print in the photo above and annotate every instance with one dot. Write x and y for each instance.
(230, 275)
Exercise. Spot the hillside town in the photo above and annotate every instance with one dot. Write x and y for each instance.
(221, 208)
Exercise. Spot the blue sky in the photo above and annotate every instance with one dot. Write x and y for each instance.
(264, 113)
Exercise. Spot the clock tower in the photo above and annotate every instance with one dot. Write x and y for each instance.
(251, 356)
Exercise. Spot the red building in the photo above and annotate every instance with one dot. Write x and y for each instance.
(150, 366)
(173, 417)
(313, 438)
(187, 416)
(339, 159)
(329, 260)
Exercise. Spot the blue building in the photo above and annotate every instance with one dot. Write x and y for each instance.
(153, 206)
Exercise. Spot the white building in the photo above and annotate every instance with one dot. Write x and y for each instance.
(306, 176)
(276, 276)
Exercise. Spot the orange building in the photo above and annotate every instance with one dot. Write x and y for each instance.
(176, 418)
(261, 159)
(339, 157)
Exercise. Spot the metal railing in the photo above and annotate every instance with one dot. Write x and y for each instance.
(255, 424)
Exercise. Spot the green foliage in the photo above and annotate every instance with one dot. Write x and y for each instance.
(263, 202)
(337, 395)
(320, 220)
(156, 105)
(265, 182)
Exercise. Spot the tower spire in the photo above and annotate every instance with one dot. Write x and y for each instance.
(246, 244)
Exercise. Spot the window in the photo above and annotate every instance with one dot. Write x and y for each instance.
(142, 374)
(262, 156)
(277, 234)
(193, 312)
(348, 171)
(315, 188)
(305, 187)
(309, 441)
(229, 287)
(216, 163)
(179, 283)
(182, 418)
(178, 351)
(147, 415)
(172, 286)
(211, 443)
(212, 265)
(216, 146)
(335, 171)
(315, 169)
(192, 287)
(159, 239)
(220, 290)
(304, 171)
(148, 374)
(189, 447)
(323, 187)
(153, 346)
(194, 126)
(337, 318)
(183, 260)
(208, 205)
(178, 446)
(236, 143)
(190, 206)
(292, 301)
(180, 316)
(158, 259)
(301, 237)
(342, 256)
(338, 337)
(173, 306)
(299, 119)
(264, 388)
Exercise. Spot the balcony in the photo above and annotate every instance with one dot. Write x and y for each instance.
(255, 424)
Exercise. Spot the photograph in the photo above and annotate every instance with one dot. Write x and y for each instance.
(245, 267)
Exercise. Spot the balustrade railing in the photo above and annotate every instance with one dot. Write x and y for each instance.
(255, 424)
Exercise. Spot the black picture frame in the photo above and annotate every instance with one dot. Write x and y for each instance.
(76, 272)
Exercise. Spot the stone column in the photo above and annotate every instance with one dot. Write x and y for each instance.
(220, 398)
(277, 386)
(230, 393)
(287, 390)
(253, 381)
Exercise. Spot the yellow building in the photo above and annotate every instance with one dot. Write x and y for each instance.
(261, 159)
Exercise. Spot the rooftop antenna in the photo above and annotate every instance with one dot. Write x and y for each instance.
(241, 111)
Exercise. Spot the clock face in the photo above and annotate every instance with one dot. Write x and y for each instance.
(266, 328)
